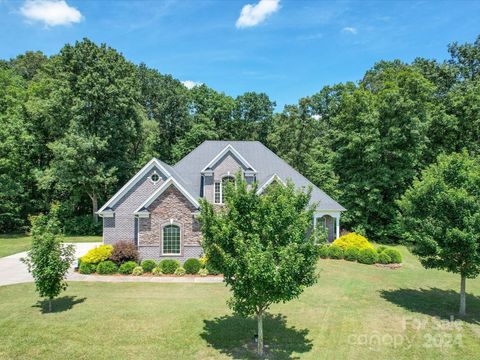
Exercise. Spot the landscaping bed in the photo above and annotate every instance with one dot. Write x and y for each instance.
(356, 248)
(122, 259)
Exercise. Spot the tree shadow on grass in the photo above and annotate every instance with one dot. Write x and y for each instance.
(61, 304)
(434, 302)
(234, 336)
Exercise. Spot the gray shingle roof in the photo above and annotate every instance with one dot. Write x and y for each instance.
(258, 155)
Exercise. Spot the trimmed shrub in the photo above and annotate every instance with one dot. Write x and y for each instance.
(148, 265)
(107, 267)
(395, 256)
(203, 272)
(157, 271)
(97, 254)
(127, 267)
(335, 252)
(211, 269)
(168, 266)
(86, 268)
(351, 253)
(381, 249)
(137, 271)
(192, 266)
(323, 251)
(124, 251)
(353, 240)
(367, 256)
(383, 258)
(180, 271)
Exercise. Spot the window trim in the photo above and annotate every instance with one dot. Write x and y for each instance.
(172, 223)
(219, 183)
(222, 200)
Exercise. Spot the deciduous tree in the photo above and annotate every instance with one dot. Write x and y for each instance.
(262, 245)
(49, 259)
(440, 216)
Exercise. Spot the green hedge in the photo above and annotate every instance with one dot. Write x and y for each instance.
(192, 266)
(168, 266)
(86, 268)
(367, 256)
(323, 251)
(148, 265)
(395, 256)
(107, 267)
(127, 267)
(335, 252)
(351, 253)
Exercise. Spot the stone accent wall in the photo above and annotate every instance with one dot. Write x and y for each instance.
(171, 207)
(122, 225)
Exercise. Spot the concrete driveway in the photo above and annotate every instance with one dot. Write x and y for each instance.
(13, 271)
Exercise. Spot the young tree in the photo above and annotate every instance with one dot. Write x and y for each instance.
(440, 215)
(262, 244)
(49, 259)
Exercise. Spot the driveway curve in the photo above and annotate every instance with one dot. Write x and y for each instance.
(14, 271)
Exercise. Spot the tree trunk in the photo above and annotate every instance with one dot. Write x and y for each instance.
(463, 304)
(260, 333)
(94, 207)
(49, 305)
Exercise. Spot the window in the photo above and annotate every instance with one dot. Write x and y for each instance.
(155, 177)
(225, 181)
(217, 192)
(171, 240)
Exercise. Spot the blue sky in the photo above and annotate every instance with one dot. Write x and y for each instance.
(287, 48)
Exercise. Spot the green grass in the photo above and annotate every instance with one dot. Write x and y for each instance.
(351, 304)
(11, 244)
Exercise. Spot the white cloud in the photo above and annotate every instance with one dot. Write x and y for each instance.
(189, 84)
(50, 12)
(316, 117)
(252, 15)
(350, 30)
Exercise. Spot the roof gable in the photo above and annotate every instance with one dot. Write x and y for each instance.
(132, 182)
(142, 209)
(270, 180)
(226, 150)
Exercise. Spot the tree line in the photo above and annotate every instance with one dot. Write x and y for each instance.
(76, 126)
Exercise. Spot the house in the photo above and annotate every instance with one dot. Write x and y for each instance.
(157, 209)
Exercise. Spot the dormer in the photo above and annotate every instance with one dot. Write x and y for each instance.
(222, 168)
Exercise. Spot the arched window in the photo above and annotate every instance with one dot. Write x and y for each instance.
(171, 240)
(220, 187)
(225, 181)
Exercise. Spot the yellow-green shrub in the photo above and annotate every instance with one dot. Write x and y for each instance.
(98, 254)
(353, 240)
(203, 261)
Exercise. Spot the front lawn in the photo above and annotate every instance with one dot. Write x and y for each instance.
(355, 311)
(12, 244)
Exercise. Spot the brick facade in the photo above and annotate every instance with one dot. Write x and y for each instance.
(171, 207)
(122, 226)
